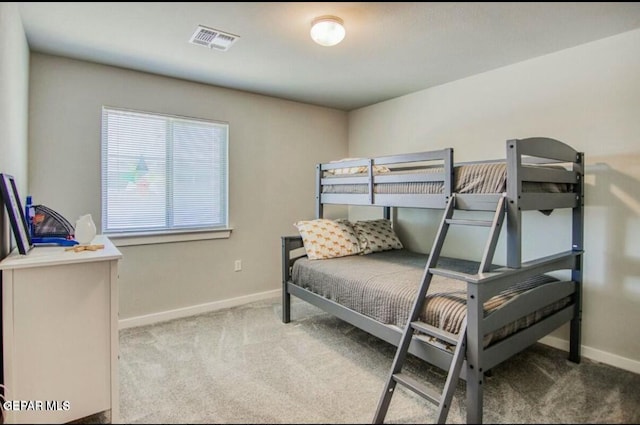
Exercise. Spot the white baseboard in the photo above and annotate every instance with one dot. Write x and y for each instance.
(163, 316)
(595, 354)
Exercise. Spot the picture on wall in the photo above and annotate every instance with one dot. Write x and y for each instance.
(11, 200)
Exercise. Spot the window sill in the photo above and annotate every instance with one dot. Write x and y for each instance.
(123, 239)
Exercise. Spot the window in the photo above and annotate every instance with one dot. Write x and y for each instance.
(162, 174)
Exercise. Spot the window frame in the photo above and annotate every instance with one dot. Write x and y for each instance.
(141, 237)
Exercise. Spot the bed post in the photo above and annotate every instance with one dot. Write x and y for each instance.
(286, 297)
(475, 374)
(514, 214)
(576, 273)
(289, 244)
(319, 209)
(449, 177)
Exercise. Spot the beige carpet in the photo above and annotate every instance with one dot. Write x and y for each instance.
(243, 365)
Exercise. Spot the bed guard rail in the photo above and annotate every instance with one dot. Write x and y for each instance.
(421, 167)
(493, 282)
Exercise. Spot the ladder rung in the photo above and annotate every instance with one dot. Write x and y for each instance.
(417, 388)
(482, 223)
(435, 332)
(454, 274)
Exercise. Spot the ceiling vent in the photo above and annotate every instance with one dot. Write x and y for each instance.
(214, 39)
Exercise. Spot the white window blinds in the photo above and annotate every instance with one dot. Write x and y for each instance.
(162, 173)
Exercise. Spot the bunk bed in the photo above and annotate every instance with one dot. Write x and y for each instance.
(504, 309)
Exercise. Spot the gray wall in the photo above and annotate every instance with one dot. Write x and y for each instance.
(588, 97)
(273, 147)
(14, 96)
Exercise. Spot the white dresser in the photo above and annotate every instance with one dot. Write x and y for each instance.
(60, 333)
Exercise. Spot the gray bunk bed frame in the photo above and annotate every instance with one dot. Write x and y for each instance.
(484, 285)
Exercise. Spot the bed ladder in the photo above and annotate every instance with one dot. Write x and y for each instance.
(443, 401)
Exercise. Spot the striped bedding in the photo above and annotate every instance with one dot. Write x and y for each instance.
(383, 285)
(468, 178)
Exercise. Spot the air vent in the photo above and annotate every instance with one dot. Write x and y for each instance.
(212, 38)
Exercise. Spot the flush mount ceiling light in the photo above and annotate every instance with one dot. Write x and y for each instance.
(327, 30)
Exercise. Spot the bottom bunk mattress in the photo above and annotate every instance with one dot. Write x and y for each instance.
(383, 286)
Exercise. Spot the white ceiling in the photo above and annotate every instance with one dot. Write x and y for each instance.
(391, 49)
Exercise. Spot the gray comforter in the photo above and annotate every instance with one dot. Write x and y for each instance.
(383, 286)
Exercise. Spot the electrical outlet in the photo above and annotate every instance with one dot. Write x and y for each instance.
(237, 266)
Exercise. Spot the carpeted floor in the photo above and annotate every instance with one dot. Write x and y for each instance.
(243, 365)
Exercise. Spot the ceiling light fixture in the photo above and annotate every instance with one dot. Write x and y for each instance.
(327, 30)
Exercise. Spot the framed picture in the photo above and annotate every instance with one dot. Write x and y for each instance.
(16, 213)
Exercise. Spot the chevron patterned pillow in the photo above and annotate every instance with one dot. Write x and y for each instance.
(376, 236)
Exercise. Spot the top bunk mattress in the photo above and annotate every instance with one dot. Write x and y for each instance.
(383, 286)
(478, 178)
